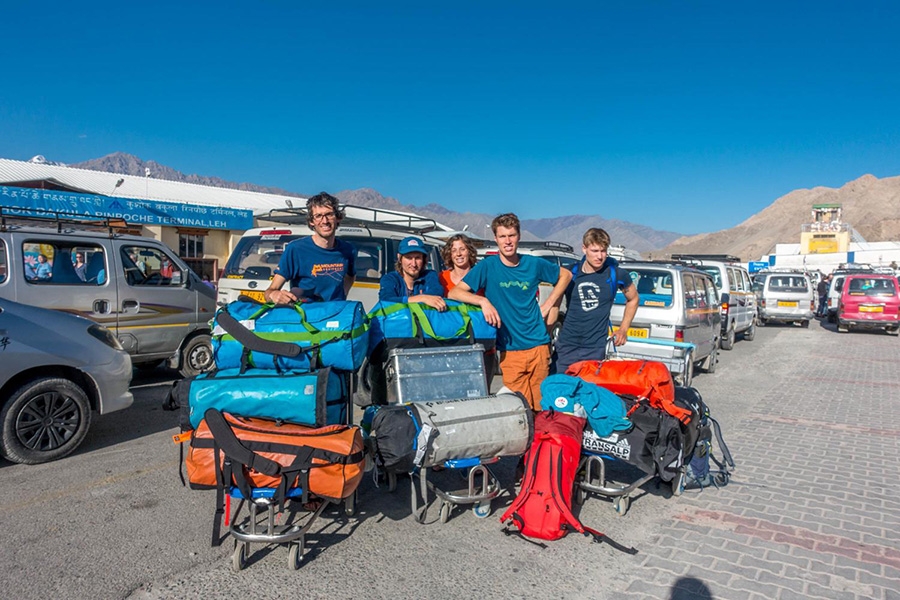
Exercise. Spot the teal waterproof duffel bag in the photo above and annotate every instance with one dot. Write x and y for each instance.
(415, 324)
(315, 398)
(326, 334)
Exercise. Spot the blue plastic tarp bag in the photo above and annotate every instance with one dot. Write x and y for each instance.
(402, 324)
(329, 334)
(314, 399)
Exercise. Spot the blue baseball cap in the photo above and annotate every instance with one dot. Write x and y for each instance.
(411, 244)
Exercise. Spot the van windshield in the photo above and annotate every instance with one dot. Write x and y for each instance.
(653, 285)
(871, 287)
(256, 256)
(788, 283)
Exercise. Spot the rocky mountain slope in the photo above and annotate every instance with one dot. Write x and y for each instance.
(870, 205)
(568, 229)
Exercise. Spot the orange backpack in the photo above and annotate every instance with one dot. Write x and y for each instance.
(640, 378)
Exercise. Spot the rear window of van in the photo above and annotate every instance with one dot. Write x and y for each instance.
(788, 283)
(653, 285)
(861, 286)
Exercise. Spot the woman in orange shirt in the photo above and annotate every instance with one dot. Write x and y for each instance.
(459, 257)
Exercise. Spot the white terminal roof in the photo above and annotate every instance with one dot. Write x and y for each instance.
(135, 187)
(142, 188)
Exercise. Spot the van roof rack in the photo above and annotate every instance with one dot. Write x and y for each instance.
(713, 257)
(14, 218)
(361, 216)
(548, 244)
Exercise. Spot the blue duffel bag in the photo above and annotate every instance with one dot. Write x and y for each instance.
(404, 325)
(305, 398)
(326, 334)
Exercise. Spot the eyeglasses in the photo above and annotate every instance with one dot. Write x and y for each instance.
(322, 216)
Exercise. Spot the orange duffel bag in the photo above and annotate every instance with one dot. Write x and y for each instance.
(640, 378)
(323, 461)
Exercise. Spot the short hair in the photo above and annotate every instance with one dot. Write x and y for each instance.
(323, 200)
(470, 248)
(508, 220)
(595, 235)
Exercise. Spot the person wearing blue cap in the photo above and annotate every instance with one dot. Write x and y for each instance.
(411, 281)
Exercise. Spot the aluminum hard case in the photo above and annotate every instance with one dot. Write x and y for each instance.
(425, 374)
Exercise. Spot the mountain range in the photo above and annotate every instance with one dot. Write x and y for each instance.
(870, 205)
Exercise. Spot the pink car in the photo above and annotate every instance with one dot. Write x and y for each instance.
(869, 301)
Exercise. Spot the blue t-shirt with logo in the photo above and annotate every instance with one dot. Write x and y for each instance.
(589, 299)
(513, 292)
(319, 272)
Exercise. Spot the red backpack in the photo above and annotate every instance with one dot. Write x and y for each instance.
(543, 508)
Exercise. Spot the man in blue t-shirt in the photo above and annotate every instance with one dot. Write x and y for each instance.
(510, 282)
(319, 267)
(589, 299)
(411, 281)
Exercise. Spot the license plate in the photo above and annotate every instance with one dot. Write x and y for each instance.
(636, 332)
(871, 309)
(788, 304)
(258, 296)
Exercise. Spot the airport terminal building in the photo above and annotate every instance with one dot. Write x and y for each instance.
(201, 223)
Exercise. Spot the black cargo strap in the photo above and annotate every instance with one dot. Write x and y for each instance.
(252, 341)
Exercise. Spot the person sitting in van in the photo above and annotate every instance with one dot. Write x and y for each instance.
(320, 266)
(590, 297)
(459, 257)
(80, 265)
(166, 269)
(411, 281)
(44, 269)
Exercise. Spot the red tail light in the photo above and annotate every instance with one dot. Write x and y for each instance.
(724, 309)
(762, 303)
(812, 305)
(679, 334)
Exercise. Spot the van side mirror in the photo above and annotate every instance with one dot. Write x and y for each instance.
(176, 278)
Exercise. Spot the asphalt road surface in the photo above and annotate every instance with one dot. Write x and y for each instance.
(113, 520)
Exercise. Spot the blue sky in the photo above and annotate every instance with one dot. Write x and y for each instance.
(684, 116)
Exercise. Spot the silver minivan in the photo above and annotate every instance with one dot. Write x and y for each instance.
(677, 304)
(785, 297)
(134, 286)
(738, 302)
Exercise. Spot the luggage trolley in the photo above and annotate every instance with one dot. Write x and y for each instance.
(596, 451)
(678, 356)
(426, 374)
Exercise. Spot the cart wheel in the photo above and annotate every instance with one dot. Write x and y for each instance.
(721, 478)
(621, 505)
(239, 556)
(482, 510)
(678, 483)
(445, 512)
(295, 553)
(580, 495)
(350, 505)
(392, 481)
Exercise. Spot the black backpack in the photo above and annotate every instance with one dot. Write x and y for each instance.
(698, 437)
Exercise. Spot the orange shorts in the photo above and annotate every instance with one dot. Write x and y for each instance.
(525, 370)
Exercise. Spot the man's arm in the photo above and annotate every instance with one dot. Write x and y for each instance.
(631, 306)
(463, 293)
(555, 297)
(277, 295)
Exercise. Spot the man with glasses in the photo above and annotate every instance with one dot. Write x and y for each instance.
(318, 267)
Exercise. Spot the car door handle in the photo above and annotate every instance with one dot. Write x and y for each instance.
(101, 306)
(130, 306)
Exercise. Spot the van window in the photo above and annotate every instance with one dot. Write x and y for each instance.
(370, 259)
(736, 283)
(788, 283)
(256, 256)
(4, 269)
(567, 263)
(860, 286)
(745, 280)
(63, 263)
(714, 273)
(690, 292)
(147, 265)
(654, 286)
(712, 295)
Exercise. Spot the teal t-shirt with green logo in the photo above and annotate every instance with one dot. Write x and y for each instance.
(513, 292)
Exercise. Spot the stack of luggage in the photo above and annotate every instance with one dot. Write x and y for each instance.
(439, 411)
(270, 426)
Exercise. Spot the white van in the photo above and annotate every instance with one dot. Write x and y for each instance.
(252, 263)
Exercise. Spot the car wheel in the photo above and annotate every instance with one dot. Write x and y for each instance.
(197, 356)
(805, 324)
(831, 317)
(728, 341)
(751, 332)
(894, 331)
(44, 420)
(843, 328)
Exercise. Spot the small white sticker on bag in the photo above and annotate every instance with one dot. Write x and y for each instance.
(309, 390)
(333, 325)
(561, 402)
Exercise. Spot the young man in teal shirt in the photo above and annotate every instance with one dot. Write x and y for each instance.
(510, 282)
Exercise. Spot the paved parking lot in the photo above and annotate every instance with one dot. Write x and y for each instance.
(812, 511)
